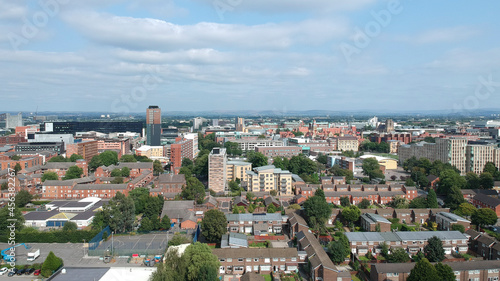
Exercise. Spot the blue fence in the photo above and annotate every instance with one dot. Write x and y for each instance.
(94, 243)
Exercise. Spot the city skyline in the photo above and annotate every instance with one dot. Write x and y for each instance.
(108, 56)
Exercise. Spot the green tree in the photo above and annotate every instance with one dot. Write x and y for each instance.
(322, 158)
(423, 271)
(125, 172)
(448, 179)
(70, 226)
(398, 255)
(484, 216)
(232, 148)
(233, 186)
(213, 225)
(117, 180)
(207, 272)
(201, 165)
(95, 163)
(351, 214)
(364, 204)
(186, 172)
(465, 209)
(140, 196)
(116, 172)
(337, 171)
(445, 272)
(418, 203)
(7, 213)
(51, 264)
(178, 239)
(146, 225)
(490, 167)
(23, 197)
(434, 251)
(75, 157)
(271, 208)
(194, 190)
(128, 158)
(344, 201)
(157, 167)
(165, 223)
(418, 257)
(454, 198)
(336, 251)
(487, 180)
(432, 199)
(17, 168)
(458, 227)
(119, 213)
(73, 172)
(409, 182)
(186, 162)
(108, 158)
(200, 256)
(58, 158)
(371, 168)
(257, 159)
(5, 185)
(473, 181)
(399, 202)
(15, 157)
(48, 175)
(317, 207)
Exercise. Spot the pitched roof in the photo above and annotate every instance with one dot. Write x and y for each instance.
(455, 266)
(255, 252)
(488, 200)
(171, 178)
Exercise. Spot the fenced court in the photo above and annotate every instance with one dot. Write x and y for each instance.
(128, 245)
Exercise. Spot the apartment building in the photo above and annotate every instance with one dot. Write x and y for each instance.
(478, 155)
(381, 194)
(237, 170)
(370, 222)
(152, 152)
(464, 271)
(180, 150)
(481, 200)
(281, 151)
(136, 169)
(267, 178)
(446, 220)
(57, 147)
(259, 260)
(251, 144)
(256, 224)
(217, 178)
(411, 241)
(347, 143)
(194, 138)
(24, 162)
(87, 149)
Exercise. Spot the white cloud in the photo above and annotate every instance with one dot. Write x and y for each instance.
(153, 34)
(441, 35)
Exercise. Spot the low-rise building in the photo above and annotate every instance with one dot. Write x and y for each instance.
(445, 221)
(234, 240)
(257, 224)
(484, 201)
(374, 222)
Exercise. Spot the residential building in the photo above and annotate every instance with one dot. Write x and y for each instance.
(217, 178)
(347, 143)
(239, 124)
(478, 155)
(86, 149)
(446, 220)
(260, 260)
(381, 194)
(256, 224)
(280, 151)
(411, 241)
(153, 126)
(194, 138)
(481, 200)
(234, 240)
(181, 213)
(237, 170)
(170, 183)
(267, 178)
(24, 162)
(374, 222)
(251, 144)
(464, 271)
(152, 152)
(178, 151)
(57, 147)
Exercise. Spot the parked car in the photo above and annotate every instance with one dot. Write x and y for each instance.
(37, 272)
(29, 271)
(13, 272)
(3, 270)
(21, 271)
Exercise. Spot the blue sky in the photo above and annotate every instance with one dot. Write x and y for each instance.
(121, 56)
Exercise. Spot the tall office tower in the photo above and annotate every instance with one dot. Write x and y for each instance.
(153, 125)
(240, 124)
(13, 121)
(389, 126)
(215, 122)
(217, 169)
(197, 123)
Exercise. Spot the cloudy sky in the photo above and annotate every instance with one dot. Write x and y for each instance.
(190, 55)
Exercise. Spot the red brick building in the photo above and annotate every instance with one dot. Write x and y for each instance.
(178, 151)
(485, 201)
(87, 149)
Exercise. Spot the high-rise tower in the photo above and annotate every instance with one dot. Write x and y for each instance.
(153, 125)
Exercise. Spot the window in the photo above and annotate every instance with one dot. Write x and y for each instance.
(240, 259)
(392, 274)
(256, 260)
(267, 260)
(249, 259)
(222, 260)
(294, 259)
(473, 271)
(493, 278)
(282, 259)
(229, 260)
(275, 259)
(492, 270)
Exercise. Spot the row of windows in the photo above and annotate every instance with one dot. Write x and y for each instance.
(266, 260)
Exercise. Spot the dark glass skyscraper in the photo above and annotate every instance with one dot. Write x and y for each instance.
(153, 125)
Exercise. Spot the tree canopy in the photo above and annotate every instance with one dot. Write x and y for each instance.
(434, 251)
(257, 159)
(484, 216)
(371, 168)
(423, 271)
(214, 225)
(73, 172)
(48, 175)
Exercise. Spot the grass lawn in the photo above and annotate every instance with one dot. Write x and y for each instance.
(387, 155)
(355, 278)
(363, 258)
(268, 277)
